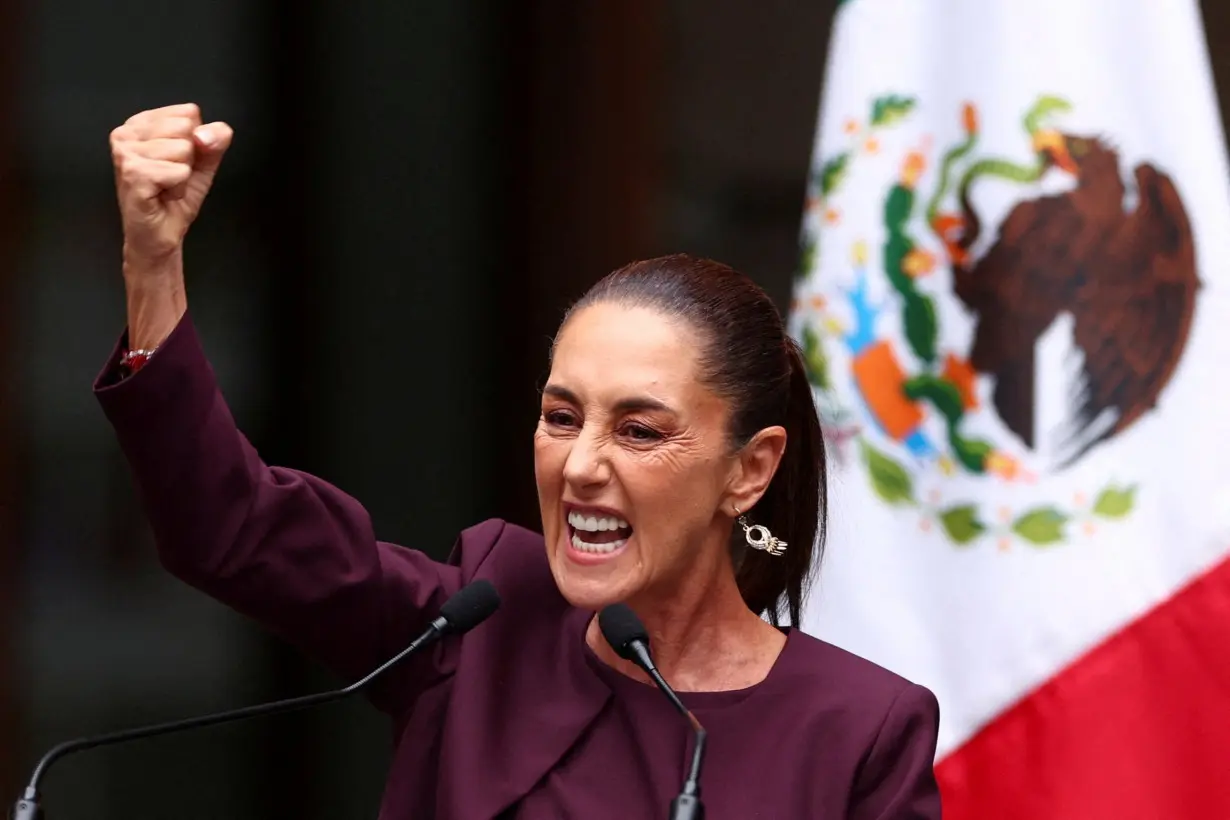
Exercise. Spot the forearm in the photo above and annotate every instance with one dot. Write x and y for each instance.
(156, 298)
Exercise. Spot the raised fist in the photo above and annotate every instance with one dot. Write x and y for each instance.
(165, 162)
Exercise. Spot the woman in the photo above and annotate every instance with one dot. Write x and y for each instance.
(676, 422)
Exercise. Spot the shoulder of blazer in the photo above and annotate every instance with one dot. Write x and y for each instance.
(513, 559)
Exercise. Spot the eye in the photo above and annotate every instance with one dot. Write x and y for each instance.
(560, 418)
(639, 432)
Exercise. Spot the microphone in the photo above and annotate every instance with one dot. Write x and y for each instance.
(627, 636)
(464, 610)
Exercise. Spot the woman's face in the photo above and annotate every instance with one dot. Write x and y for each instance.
(631, 456)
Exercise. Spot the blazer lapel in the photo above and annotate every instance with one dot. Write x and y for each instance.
(521, 699)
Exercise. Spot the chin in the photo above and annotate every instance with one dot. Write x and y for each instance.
(594, 597)
(585, 589)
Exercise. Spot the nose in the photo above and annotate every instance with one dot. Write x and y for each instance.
(587, 464)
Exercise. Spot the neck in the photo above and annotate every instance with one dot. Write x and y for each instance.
(701, 633)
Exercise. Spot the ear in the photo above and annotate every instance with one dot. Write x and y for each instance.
(756, 465)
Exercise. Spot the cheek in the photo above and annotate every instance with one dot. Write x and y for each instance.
(550, 455)
(549, 459)
(677, 487)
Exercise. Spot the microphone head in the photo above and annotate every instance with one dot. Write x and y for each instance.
(470, 606)
(622, 628)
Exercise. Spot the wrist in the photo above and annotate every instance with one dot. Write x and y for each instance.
(152, 317)
(141, 267)
(156, 299)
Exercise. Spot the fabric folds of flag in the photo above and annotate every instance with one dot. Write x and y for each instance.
(1014, 299)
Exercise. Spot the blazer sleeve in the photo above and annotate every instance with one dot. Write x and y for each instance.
(280, 546)
(897, 778)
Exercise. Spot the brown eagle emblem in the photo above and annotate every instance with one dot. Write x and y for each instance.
(1125, 271)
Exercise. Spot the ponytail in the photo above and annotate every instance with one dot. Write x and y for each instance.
(793, 508)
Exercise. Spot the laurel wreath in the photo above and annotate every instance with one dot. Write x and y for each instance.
(963, 523)
(886, 111)
(1040, 526)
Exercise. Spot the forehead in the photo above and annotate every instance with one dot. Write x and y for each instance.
(626, 349)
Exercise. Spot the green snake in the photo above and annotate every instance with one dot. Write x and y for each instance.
(919, 318)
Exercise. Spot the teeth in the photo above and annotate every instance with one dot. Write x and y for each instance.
(593, 523)
(585, 546)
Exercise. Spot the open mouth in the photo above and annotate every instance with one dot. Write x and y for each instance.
(597, 533)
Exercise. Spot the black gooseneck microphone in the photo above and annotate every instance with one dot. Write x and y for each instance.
(627, 636)
(466, 609)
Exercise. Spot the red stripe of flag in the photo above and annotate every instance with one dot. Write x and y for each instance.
(1137, 729)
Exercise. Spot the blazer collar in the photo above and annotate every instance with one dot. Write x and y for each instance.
(511, 733)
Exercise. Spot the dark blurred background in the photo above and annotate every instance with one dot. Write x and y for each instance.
(415, 193)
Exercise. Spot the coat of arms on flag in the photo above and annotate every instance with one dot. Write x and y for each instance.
(938, 295)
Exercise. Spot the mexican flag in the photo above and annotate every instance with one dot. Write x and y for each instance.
(1015, 302)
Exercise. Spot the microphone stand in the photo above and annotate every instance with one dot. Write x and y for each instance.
(687, 805)
(625, 633)
(28, 807)
(464, 610)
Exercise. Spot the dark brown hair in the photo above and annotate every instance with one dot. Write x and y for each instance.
(749, 360)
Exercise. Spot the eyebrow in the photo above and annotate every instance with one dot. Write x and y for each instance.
(631, 404)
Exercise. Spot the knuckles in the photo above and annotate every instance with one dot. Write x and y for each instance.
(132, 157)
(135, 171)
(168, 123)
(190, 111)
(180, 150)
(132, 173)
(120, 138)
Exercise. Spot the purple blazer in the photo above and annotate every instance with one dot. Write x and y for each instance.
(480, 722)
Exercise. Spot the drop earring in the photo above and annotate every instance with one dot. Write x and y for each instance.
(758, 536)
